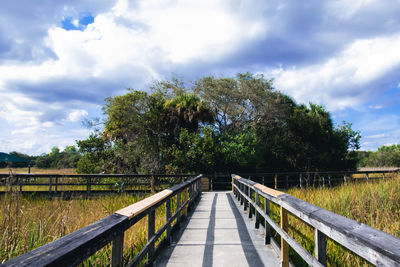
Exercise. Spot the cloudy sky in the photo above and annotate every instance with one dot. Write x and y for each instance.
(60, 59)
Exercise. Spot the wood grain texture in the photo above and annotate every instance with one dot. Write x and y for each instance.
(144, 204)
(269, 191)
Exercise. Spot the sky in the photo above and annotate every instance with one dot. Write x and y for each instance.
(60, 59)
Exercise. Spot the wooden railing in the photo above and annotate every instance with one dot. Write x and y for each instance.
(88, 183)
(377, 247)
(74, 248)
(303, 179)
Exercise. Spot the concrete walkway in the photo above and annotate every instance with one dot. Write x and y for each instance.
(218, 233)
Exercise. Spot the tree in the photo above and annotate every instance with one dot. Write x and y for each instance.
(218, 124)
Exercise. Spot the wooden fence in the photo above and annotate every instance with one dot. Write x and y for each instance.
(74, 248)
(285, 180)
(377, 247)
(89, 183)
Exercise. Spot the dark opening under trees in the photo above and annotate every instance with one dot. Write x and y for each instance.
(239, 124)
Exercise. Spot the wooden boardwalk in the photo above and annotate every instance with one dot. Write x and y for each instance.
(218, 233)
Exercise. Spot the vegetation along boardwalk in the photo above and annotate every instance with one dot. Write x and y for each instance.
(248, 226)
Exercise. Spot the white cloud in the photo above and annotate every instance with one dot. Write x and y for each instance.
(346, 80)
(77, 115)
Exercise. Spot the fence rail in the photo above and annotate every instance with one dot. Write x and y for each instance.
(74, 248)
(89, 183)
(377, 247)
(287, 180)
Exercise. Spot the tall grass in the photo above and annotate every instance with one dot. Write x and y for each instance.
(375, 203)
(30, 222)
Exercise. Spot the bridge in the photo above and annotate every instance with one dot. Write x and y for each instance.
(224, 228)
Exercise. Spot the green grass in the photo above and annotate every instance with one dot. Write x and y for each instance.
(375, 203)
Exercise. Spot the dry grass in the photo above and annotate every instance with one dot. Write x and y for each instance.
(375, 203)
(39, 171)
(30, 222)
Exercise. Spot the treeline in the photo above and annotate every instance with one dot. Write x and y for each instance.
(385, 156)
(56, 159)
(238, 124)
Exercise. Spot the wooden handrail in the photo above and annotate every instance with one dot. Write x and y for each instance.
(375, 246)
(74, 248)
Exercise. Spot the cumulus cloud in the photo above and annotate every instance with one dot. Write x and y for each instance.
(58, 58)
(363, 69)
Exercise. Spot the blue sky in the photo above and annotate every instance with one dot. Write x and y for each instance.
(60, 59)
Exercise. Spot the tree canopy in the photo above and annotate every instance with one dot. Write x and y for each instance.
(232, 124)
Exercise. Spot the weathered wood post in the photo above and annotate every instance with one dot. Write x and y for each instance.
(240, 194)
(344, 178)
(56, 185)
(284, 244)
(383, 175)
(300, 181)
(257, 224)
(167, 217)
(246, 192)
(88, 185)
(117, 251)
(267, 226)
(366, 176)
(250, 206)
(320, 246)
(276, 181)
(178, 206)
(185, 210)
(150, 232)
(50, 184)
(323, 181)
(329, 180)
(20, 181)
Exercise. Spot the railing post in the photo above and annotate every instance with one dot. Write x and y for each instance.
(320, 246)
(284, 244)
(263, 180)
(122, 184)
(20, 181)
(267, 226)
(383, 175)
(245, 191)
(257, 225)
(117, 254)
(329, 180)
(150, 232)
(233, 188)
(344, 178)
(366, 176)
(241, 196)
(88, 185)
(50, 184)
(185, 210)
(300, 181)
(56, 185)
(323, 181)
(167, 217)
(276, 181)
(250, 204)
(178, 206)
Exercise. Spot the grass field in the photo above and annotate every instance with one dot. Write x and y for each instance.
(30, 222)
(38, 171)
(375, 203)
